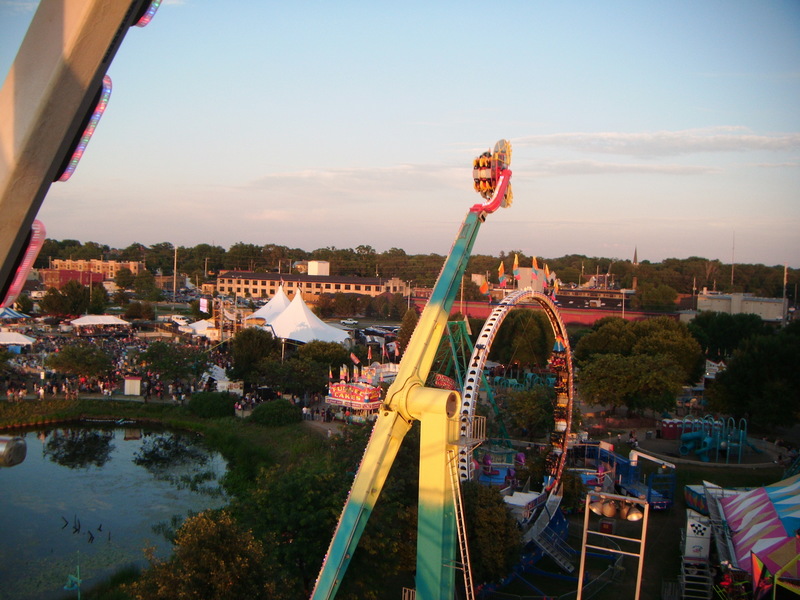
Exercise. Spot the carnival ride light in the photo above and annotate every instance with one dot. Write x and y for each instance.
(94, 119)
(148, 13)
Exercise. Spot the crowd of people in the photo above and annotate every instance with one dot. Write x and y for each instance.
(29, 377)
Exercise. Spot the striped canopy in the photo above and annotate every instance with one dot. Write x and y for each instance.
(763, 521)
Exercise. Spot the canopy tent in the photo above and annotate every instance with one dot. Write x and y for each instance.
(90, 320)
(762, 520)
(199, 327)
(298, 323)
(267, 313)
(9, 313)
(14, 338)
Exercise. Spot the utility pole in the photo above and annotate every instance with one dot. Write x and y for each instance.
(175, 276)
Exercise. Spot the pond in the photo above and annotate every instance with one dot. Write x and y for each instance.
(96, 497)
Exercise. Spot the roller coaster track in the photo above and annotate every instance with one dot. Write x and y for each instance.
(561, 365)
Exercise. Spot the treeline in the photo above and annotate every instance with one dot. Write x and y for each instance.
(659, 279)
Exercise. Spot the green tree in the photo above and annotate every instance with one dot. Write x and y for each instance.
(53, 303)
(407, 326)
(82, 359)
(651, 337)
(172, 361)
(25, 304)
(326, 353)
(762, 380)
(98, 300)
(610, 335)
(145, 286)
(655, 297)
(213, 558)
(524, 338)
(531, 410)
(251, 347)
(638, 382)
(719, 334)
(124, 278)
(276, 413)
(5, 361)
(76, 297)
(495, 541)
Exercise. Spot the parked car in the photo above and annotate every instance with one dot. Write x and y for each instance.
(349, 322)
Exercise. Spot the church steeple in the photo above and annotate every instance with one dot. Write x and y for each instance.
(635, 256)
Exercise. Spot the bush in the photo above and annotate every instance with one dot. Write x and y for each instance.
(212, 405)
(276, 413)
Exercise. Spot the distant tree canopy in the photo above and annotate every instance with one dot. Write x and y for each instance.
(251, 347)
(172, 361)
(719, 334)
(658, 283)
(639, 365)
(214, 558)
(762, 379)
(82, 358)
(75, 299)
(525, 338)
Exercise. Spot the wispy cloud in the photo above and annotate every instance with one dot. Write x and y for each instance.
(19, 6)
(665, 143)
(595, 167)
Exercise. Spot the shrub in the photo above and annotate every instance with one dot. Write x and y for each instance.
(212, 405)
(276, 413)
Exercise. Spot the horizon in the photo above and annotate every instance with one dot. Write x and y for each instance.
(507, 254)
(670, 129)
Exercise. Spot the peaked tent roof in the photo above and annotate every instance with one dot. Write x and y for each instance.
(98, 320)
(10, 313)
(297, 322)
(277, 304)
(200, 326)
(14, 338)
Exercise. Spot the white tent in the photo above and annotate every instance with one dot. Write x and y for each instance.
(298, 323)
(89, 320)
(14, 338)
(199, 327)
(277, 304)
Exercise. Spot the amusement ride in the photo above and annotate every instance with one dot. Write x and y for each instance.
(449, 428)
(55, 94)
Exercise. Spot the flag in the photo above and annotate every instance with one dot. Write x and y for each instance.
(369, 353)
(501, 275)
(485, 288)
(516, 267)
(330, 374)
(546, 273)
(535, 264)
(354, 358)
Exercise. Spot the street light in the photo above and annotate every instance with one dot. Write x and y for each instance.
(612, 505)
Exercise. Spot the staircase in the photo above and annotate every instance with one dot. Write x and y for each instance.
(541, 535)
(696, 580)
(460, 524)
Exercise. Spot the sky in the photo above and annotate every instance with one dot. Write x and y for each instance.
(669, 128)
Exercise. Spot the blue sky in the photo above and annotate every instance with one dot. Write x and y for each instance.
(671, 127)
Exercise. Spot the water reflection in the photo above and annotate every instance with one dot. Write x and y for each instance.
(79, 448)
(97, 497)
